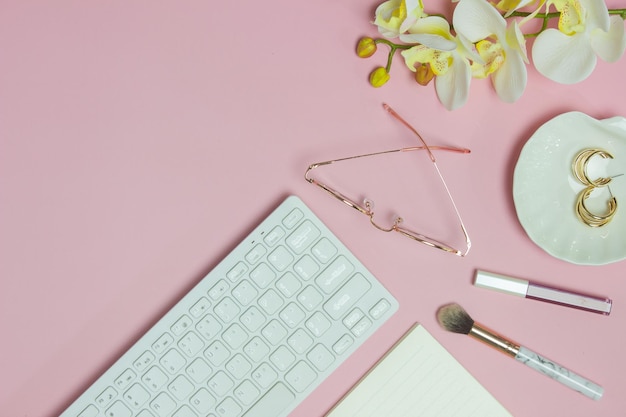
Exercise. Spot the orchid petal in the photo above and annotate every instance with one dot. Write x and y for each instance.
(515, 39)
(597, 14)
(453, 86)
(389, 17)
(478, 19)
(432, 31)
(467, 49)
(561, 58)
(414, 12)
(432, 24)
(431, 41)
(510, 79)
(610, 45)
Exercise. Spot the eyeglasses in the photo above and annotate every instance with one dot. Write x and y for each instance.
(367, 206)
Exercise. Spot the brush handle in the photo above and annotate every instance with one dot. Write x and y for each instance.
(559, 373)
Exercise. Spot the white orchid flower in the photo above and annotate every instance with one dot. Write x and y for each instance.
(502, 49)
(394, 17)
(446, 55)
(569, 54)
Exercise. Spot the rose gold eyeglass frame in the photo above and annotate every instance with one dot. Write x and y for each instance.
(367, 207)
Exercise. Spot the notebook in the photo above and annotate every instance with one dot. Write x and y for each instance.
(418, 377)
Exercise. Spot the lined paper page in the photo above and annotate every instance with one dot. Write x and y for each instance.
(418, 378)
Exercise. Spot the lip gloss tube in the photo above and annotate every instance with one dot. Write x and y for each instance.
(527, 289)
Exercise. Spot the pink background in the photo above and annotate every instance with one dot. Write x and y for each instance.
(141, 140)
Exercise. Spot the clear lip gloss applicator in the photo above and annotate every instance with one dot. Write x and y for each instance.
(527, 289)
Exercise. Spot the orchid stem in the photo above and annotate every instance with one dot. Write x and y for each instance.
(393, 47)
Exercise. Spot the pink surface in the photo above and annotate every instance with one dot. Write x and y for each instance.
(141, 140)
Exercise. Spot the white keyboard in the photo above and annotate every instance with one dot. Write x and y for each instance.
(255, 336)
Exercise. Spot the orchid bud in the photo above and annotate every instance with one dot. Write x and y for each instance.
(379, 77)
(423, 74)
(366, 47)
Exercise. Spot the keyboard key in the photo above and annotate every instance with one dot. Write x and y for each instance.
(274, 332)
(180, 387)
(118, 409)
(198, 370)
(255, 254)
(273, 402)
(235, 336)
(238, 366)
(145, 359)
(280, 258)
(361, 327)
(226, 310)
(303, 237)
(353, 318)
(300, 376)
(228, 408)
(200, 307)
(300, 341)
(293, 218)
(320, 357)
(335, 274)
(245, 293)
(154, 378)
(270, 302)
(163, 405)
(173, 361)
(208, 327)
(125, 379)
(288, 284)
(106, 397)
(252, 319)
(262, 275)
(292, 315)
(237, 271)
(345, 298)
(181, 325)
(190, 344)
(220, 383)
(341, 345)
(246, 392)
(274, 236)
(380, 309)
(310, 298)
(306, 267)
(256, 349)
(162, 343)
(282, 358)
(217, 353)
(264, 375)
(324, 250)
(218, 289)
(136, 396)
(202, 401)
(318, 324)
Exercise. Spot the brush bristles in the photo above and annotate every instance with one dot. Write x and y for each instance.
(453, 318)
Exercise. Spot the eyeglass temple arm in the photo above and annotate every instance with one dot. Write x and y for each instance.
(411, 128)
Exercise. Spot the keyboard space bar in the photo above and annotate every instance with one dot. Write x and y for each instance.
(273, 403)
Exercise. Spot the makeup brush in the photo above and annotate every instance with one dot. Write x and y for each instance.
(453, 318)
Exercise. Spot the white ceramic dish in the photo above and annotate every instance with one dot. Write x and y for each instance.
(545, 189)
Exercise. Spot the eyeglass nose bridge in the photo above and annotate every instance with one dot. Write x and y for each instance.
(369, 211)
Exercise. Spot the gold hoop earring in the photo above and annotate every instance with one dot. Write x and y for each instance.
(579, 167)
(590, 219)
